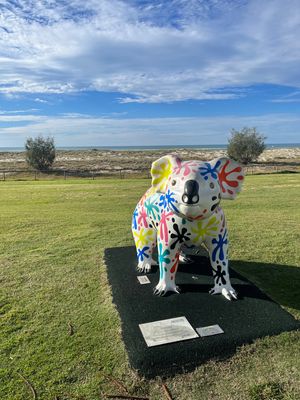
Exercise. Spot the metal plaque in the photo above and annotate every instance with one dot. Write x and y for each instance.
(143, 279)
(167, 331)
(209, 330)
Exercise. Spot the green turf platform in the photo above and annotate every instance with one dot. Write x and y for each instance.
(253, 316)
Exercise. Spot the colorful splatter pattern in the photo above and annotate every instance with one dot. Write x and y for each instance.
(169, 216)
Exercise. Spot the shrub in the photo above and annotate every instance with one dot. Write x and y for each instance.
(40, 152)
(245, 145)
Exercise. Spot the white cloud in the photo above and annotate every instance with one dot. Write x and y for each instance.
(84, 130)
(293, 97)
(150, 51)
(8, 112)
(38, 100)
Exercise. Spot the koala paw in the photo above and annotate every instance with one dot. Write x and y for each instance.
(144, 267)
(227, 291)
(162, 288)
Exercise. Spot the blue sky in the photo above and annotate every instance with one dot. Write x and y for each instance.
(115, 72)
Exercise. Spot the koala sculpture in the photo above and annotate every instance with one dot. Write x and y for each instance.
(182, 208)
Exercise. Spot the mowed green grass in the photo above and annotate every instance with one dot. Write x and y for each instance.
(52, 275)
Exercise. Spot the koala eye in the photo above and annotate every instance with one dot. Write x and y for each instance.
(211, 185)
(173, 183)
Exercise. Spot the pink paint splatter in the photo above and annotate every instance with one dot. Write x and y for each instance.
(142, 219)
(163, 230)
(185, 166)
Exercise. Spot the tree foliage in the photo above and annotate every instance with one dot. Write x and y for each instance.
(245, 145)
(40, 152)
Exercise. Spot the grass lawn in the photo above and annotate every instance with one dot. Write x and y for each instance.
(59, 328)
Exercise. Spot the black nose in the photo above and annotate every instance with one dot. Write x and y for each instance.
(191, 192)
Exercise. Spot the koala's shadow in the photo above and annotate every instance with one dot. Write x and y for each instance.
(280, 282)
(277, 282)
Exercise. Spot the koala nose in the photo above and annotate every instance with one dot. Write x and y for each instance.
(191, 190)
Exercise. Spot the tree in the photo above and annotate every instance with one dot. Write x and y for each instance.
(245, 145)
(40, 152)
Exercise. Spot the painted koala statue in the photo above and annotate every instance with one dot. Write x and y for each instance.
(182, 208)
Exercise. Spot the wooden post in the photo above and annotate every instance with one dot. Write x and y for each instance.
(4, 175)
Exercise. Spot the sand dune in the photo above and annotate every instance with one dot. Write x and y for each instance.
(133, 160)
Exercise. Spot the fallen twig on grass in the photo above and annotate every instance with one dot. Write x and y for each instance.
(116, 382)
(167, 392)
(71, 329)
(33, 391)
(123, 396)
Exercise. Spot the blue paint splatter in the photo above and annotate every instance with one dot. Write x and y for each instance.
(134, 219)
(141, 253)
(171, 200)
(219, 246)
(209, 170)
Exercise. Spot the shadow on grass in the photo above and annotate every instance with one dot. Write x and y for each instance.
(281, 282)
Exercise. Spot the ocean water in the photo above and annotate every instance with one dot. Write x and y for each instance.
(145, 148)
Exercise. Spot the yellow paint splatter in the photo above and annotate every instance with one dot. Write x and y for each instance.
(143, 237)
(205, 228)
(160, 173)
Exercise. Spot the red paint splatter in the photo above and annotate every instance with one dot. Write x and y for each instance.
(224, 177)
(174, 266)
(199, 217)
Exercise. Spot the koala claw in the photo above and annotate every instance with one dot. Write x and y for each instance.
(229, 293)
(158, 292)
(177, 289)
(184, 259)
(144, 267)
(162, 289)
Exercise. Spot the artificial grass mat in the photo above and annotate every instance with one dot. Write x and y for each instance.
(252, 316)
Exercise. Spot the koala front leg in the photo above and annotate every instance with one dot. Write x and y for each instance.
(145, 241)
(144, 253)
(168, 258)
(218, 251)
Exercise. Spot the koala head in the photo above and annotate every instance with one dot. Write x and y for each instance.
(197, 187)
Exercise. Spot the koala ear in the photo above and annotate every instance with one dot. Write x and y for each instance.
(230, 175)
(161, 170)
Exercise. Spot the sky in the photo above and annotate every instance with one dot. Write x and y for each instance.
(133, 73)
